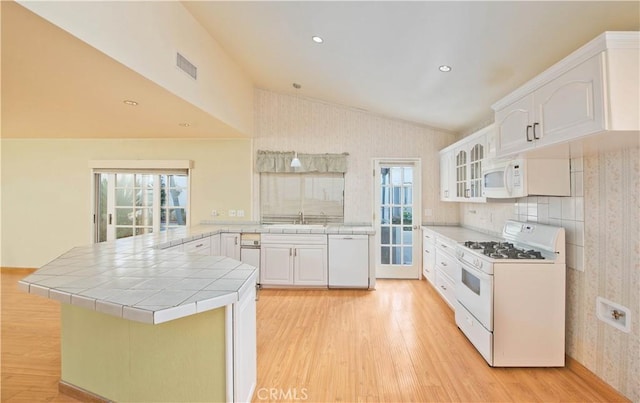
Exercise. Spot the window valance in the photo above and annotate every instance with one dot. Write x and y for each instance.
(280, 161)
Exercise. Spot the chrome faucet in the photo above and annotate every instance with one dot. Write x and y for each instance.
(301, 217)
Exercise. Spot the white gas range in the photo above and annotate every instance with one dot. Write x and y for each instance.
(511, 296)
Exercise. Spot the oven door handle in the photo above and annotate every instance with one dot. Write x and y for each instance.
(477, 273)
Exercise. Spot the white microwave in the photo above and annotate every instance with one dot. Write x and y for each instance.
(520, 177)
(504, 179)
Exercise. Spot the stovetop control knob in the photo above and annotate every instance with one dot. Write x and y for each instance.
(477, 262)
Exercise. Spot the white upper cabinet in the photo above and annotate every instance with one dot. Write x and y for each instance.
(446, 178)
(584, 94)
(461, 168)
(567, 107)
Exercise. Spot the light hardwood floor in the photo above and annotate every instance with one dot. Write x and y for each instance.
(398, 343)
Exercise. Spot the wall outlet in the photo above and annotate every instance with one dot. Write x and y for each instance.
(232, 213)
(240, 213)
(613, 314)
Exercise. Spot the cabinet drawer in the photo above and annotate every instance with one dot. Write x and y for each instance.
(428, 236)
(447, 265)
(445, 287)
(199, 246)
(446, 245)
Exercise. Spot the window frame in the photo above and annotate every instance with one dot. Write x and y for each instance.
(154, 167)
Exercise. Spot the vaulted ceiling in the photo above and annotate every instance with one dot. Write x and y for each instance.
(382, 57)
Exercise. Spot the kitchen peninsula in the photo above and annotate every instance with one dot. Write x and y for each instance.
(140, 323)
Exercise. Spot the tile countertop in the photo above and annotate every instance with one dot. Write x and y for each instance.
(134, 279)
(460, 234)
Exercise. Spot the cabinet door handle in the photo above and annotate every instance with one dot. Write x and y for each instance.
(295, 252)
(444, 264)
(199, 245)
(443, 287)
(235, 241)
(290, 252)
(534, 131)
(527, 133)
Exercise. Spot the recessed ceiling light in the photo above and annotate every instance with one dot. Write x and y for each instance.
(130, 102)
(184, 124)
(444, 68)
(317, 39)
(296, 86)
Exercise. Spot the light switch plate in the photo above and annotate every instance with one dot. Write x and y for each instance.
(232, 213)
(240, 213)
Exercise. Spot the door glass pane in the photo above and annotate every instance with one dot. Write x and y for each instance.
(384, 255)
(123, 232)
(384, 235)
(408, 195)
(397, 255)
(397, 195)
(396, 220)
(384, 176)
(385, 193)
(124, 180)
(407, 257)
(124, 216)
(385, 215)
(407, 235)
(407, 215)
(397, 240)
(101, 207)
(396, 176)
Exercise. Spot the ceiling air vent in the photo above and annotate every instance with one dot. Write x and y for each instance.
(187, 66)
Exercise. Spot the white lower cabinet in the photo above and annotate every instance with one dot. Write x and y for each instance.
(200, 246)
(215, 245)
(230, 245)
(276, 265)
(447, 270)
(175, 248)
(293, 260)
(244, 344)
(429, 256)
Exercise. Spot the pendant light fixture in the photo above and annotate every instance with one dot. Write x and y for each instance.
(295, 162)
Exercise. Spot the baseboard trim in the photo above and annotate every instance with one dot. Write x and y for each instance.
(16, 270)
(591, 378)
(80, 394)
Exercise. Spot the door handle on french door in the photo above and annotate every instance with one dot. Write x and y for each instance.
(415, 227)
(110, 219)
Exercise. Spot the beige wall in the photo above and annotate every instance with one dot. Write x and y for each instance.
(291, 123)
(46, 188)
(601, 220)
(145, 36)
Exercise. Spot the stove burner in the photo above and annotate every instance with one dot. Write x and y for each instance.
(503, 250)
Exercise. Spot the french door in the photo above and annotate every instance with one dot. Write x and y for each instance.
(397, 218)
(130, 204)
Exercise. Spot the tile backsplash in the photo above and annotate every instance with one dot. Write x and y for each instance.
(566, 212)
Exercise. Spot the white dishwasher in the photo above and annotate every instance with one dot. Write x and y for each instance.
(348, 261)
